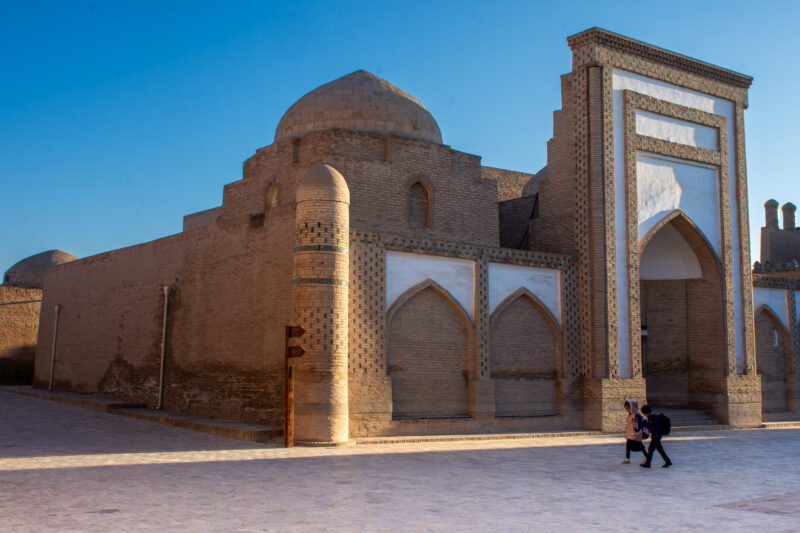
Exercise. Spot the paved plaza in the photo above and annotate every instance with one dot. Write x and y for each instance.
(63, 468)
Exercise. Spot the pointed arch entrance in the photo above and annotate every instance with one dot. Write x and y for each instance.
(772, 360)
(682, 324)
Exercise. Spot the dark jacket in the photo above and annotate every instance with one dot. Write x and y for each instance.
(653, 426)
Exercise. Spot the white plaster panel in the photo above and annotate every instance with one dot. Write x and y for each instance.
(544, 283)
(669, 256)
(776, 300)
(457, 276)
(797, 304)
(622, 80)
(677, 131)
(665, 184)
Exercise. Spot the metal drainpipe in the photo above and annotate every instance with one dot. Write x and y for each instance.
(163, 347)
(53, 351)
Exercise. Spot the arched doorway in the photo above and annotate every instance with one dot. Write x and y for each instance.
(524, 358)
(428, 354)
(772, 360)
(681, 316)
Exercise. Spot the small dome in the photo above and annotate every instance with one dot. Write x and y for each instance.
(30, 271)
(325, 183)
(359, 101)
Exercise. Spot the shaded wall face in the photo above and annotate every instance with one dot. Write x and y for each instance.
(523, 360)
(19, 325)
(428, 350)
(705, 336)
(771, 358)
(779, 245)
(665, 350)
(229, 303)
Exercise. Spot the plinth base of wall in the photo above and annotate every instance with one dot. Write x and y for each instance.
(743, 406)
(604, 399)
(322, 444)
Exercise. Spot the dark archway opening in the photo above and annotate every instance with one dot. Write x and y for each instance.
(681, 316)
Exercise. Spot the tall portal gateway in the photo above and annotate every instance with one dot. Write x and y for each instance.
(646, 174)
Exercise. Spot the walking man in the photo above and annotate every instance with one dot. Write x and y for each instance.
(655, 429)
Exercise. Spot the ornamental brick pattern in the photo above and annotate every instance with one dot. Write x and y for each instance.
(635, 143)
(320, 305)
(599, 50)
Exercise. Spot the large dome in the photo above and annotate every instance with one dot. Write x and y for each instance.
(359, 101)
(30, 271)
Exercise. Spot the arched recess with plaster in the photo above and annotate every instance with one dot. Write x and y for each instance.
(680, 303)
(772, 360)
(525, 357)
(428, 344)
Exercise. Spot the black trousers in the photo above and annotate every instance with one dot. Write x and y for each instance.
(655, 444)
(634, 446)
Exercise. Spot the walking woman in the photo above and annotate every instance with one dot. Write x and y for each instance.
(633, 431)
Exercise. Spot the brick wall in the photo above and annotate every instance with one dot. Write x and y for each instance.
(429, 327)
(231, 288)
(19, 325)
(515, 218)
(380, 171)
(772, 360)
(665, 355)
(510, 184)
(524, 360)
(779, 245)
(554, 230)
(427, 355)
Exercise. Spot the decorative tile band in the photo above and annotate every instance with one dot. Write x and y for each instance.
(321, 248)
(320, 281)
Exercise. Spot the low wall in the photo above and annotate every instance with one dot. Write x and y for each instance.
(19, 327)
(230, 289)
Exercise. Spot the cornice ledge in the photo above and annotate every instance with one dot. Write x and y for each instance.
(647, 51)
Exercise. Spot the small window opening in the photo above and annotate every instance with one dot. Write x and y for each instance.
(774, 338)
(271, 199)
(419, 206)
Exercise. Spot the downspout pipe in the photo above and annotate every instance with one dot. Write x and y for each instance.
(163, 348)
(53, 349)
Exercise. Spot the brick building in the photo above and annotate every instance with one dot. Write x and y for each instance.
(20, 306)
(776, 302)
(439, 295)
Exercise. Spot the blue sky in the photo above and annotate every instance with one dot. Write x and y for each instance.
(118, 118)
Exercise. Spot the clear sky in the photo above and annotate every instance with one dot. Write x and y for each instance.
(118, 118)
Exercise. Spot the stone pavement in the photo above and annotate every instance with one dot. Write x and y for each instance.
(64, 468)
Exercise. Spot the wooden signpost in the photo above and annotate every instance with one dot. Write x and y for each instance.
(292, 332)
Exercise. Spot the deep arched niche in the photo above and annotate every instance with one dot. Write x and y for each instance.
(681, 316)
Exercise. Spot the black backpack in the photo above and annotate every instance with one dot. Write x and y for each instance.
(666, 424)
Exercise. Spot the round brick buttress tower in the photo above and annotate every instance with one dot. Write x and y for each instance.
(319, 299)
